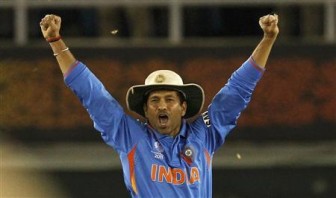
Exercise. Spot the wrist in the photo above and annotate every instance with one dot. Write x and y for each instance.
(61, 51)
(53, 39)
(270, 37)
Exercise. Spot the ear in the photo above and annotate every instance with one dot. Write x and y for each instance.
(184, 108)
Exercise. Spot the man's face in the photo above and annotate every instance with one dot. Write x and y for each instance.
(164, 111)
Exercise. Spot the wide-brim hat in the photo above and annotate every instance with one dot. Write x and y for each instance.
(166, 80)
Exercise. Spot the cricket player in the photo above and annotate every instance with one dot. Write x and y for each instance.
(166, 156)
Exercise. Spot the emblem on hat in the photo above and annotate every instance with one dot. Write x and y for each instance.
(159, 78)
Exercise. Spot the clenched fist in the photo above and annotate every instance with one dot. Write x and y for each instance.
(50, 26)
(269, 24)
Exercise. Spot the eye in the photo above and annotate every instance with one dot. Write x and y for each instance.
(170, 99)
(154, 100)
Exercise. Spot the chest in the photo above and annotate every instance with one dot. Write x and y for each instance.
(175, 161)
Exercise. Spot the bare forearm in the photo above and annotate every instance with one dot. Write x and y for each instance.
(63, 55)
(50, 27)
(262, 51)
(269, 25)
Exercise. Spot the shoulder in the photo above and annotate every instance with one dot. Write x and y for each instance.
(198, 127)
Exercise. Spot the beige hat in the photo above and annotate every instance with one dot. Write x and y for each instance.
(165, 79)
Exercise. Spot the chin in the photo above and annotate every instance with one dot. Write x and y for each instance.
(164, 131)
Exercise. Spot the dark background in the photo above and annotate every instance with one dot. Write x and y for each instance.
(294, 103)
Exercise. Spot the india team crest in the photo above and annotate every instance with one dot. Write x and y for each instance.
(188, 154)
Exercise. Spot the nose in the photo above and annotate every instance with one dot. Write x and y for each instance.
(162, 105)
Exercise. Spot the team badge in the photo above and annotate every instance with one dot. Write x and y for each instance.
(188, 154)
(160, 78)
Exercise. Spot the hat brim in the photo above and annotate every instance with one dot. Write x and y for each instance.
(193, 92)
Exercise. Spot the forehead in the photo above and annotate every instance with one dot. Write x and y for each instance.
(162, 93)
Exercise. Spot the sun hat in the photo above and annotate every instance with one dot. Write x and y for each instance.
(165, 80)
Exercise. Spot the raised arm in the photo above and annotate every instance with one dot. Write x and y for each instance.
(50, 27)
(234, 97)
(269, 25)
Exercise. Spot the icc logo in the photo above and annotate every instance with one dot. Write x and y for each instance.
(158, 150)
(158, 147)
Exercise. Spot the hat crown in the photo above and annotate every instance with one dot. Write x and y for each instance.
(166, 77)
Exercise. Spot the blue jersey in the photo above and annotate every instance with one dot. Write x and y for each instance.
(156, 165)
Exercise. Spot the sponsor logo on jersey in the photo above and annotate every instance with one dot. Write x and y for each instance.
(175, 176)
(206, 119)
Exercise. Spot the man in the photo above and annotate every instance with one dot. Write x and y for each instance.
(166, 156)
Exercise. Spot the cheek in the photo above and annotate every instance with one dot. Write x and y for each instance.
(149, 111)
(180, 111)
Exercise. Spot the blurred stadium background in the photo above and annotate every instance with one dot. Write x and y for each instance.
(285, 142)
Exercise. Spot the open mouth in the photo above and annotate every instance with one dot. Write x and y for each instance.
(163, 119)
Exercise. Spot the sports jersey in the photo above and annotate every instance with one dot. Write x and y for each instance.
(156, 165)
